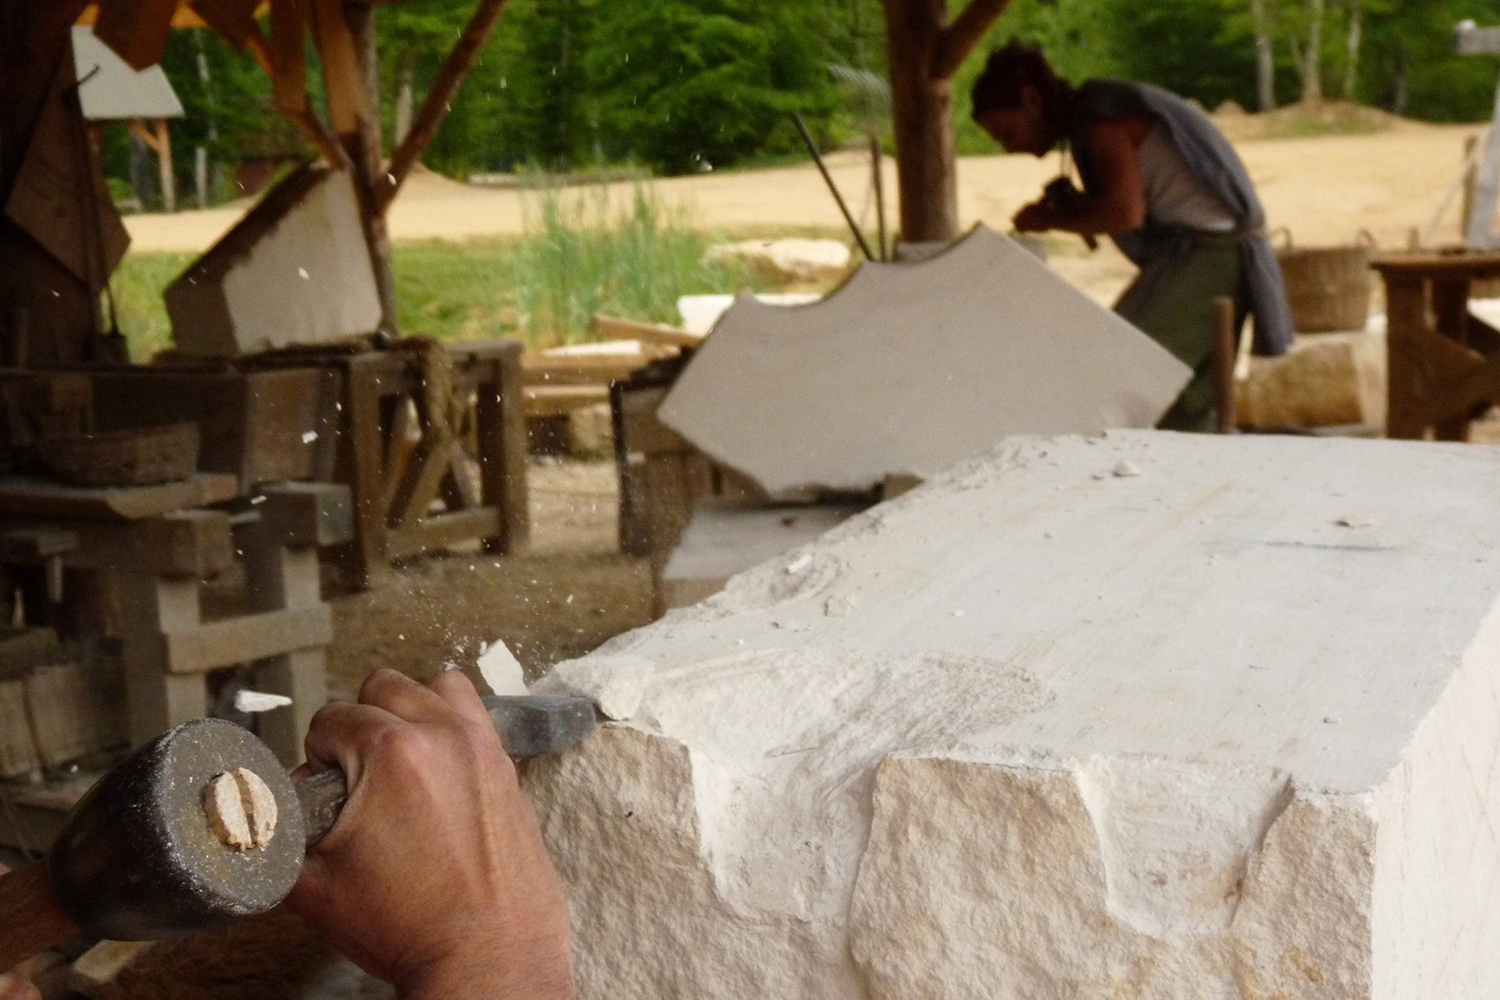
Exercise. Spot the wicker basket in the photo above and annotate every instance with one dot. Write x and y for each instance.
(1328, 287)
(143, 456)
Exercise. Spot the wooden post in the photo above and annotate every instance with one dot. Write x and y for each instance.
(368, 156)
(440, 97)
(164, 162)
(150, 607)
(924, 52)
(500, 420)
(1226, 343)
(281, 573)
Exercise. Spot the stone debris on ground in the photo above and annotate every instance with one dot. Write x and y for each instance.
(1200, 743)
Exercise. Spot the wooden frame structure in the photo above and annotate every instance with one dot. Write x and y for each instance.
(1444, 363)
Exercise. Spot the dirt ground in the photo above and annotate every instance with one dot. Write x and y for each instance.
(1323, 189)
(568, 594)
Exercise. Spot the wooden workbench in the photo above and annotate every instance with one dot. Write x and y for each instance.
(1444, 363)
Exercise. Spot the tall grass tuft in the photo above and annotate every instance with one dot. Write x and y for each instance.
(581, 255)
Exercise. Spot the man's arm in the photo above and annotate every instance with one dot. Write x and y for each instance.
(1119, 206)
(434, 878)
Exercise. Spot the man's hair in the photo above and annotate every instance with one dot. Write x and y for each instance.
(1009, 71)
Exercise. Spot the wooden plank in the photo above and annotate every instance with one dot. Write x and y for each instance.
(288, 578)
(589, 369)
(233, 20)
(444, 530)
(288, 50)
(558, 400)
(42, 497)
(155, 700)
(421, 480)
(643, 432)
(246, 639)
(364, 558)
(344, 86)
(136, 29)
(616, 328)
(460, 486)
(192, 544)
(18, 756)
(70, 716)
(500, 421)
(22, 650)
(302, 515)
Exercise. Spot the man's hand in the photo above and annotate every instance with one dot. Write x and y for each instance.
(434, 878)
(1037, 217)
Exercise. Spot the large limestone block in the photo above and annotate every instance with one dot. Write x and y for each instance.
(1325, 380)
(909, 368)
(294, 271)
(1147, 716)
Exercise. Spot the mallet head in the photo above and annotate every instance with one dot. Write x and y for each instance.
(149, 852)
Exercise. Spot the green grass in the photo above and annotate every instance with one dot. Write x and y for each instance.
(578, 257)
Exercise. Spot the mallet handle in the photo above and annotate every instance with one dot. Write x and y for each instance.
(529, 726)
(31, 921)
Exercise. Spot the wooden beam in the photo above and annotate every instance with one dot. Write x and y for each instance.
(442, 530)
(289, 57)
(615, 328)
(347, 107)
(246, 639)
(959, 38)
(233, 20)
(144, 134)
(164, 162)
(440, 97)
(137, 30)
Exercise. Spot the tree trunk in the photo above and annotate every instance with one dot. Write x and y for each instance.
(406, 74)
(1265, 57)
(1312, 58)
(923, 111)
(366, 154)
(1401, 94)
(203, 171)
(1352, 42)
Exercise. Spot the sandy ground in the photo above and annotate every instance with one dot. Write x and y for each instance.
(1323, 189)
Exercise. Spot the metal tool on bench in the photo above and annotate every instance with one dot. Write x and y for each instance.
(203, 825)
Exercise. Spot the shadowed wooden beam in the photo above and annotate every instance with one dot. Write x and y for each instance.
(958, 40)
(440, 97)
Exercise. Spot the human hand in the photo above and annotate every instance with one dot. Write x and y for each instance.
(1034, 218)
(434, 878)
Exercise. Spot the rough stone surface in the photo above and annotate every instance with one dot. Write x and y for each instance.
(909, 368)
(1326, 380)
(1223, 729)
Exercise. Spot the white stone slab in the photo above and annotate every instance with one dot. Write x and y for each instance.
(109, 89)
(727, 537)
(294, 271)
(1225, 728)
(912, 367)
(700, 312)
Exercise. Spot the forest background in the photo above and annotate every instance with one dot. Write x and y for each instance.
(678, 86)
